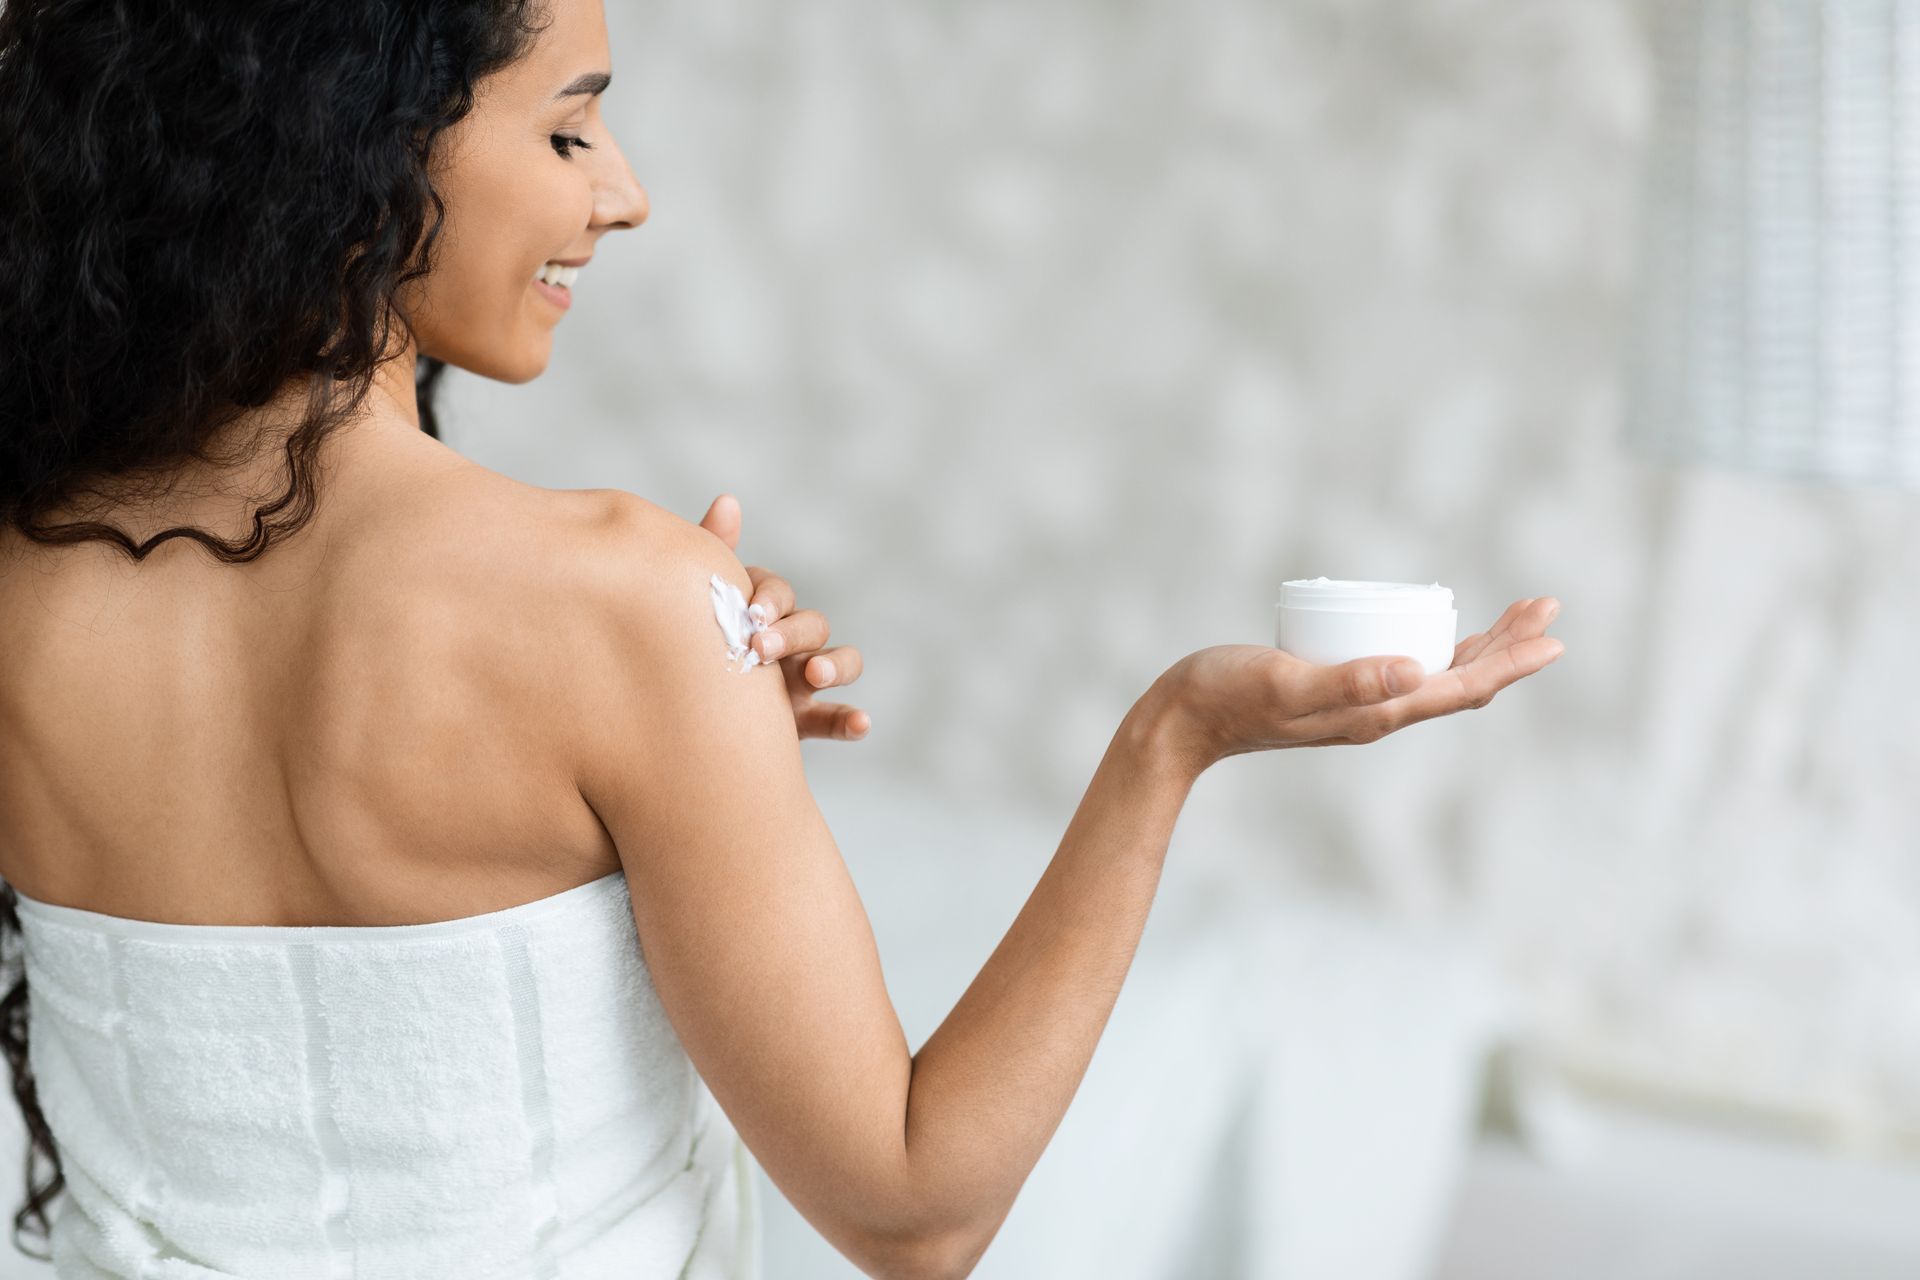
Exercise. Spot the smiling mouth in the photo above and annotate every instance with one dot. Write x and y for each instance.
(560, 277)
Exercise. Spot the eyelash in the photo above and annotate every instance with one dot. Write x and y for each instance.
(564, 143)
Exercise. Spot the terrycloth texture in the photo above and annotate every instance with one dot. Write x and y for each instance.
(496, 1096)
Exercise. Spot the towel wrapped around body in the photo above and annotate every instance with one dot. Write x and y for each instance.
(494, 1097)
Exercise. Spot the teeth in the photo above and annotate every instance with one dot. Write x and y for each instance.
(555, 274)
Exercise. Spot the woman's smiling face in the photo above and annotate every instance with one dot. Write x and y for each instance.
(530, 177)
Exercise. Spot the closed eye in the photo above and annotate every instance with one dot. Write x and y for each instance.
(564, 143)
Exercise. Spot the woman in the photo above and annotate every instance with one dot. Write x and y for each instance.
(399, 858)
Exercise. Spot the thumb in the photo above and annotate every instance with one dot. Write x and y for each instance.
(1366, 681)
(723, 520)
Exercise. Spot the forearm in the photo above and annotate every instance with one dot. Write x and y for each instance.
(990, 1086)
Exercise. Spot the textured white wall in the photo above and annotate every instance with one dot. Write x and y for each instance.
(1041, 342)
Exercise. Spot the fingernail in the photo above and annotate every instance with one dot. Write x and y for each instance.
(759, 612)
(825, 671)
(772, 643)
(1404, 677)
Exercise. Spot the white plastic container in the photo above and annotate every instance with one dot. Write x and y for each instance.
(1331, 622)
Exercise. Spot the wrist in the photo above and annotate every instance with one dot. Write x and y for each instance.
(1158, 733)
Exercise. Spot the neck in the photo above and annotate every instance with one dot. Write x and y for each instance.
(394, 391)
(249, 462)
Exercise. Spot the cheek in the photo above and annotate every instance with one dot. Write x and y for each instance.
(542, 216)
(510, 216)
(501, 224)
(568, 212)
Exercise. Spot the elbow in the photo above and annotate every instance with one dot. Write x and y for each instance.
(929, 1232)
(946, 1256)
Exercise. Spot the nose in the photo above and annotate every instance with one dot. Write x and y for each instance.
(619, 201)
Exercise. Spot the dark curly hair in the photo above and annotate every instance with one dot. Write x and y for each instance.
(201, 201)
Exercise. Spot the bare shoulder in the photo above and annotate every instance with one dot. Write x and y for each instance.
(522, 552)
(550, 636)
(652, 658)
(549, 608)
(638, 580)
(635, 545)
(595, 608)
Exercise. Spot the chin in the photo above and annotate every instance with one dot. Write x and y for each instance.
(523, 364)
(527, 370)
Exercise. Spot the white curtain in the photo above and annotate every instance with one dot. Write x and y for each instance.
(1780, 298)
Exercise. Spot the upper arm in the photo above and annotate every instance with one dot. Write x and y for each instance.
(757, 942)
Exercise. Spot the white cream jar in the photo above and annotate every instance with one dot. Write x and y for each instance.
(1333, 622)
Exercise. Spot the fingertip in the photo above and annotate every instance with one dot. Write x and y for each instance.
(1539, 652)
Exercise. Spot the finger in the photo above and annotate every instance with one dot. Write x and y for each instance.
(829, 667)
(1493, 634)
(1474, 685)
(1443, 693)
(772, 595)
(1311, 687)
(1530, 623)
(797, 633)
(1350, 724)
(723, 520)
(833, 720)
(1539, 616)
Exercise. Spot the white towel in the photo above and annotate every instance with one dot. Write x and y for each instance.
(491, 1097)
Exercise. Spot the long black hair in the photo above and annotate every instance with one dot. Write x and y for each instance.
(202, 201)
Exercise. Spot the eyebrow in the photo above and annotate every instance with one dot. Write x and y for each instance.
(592, 84)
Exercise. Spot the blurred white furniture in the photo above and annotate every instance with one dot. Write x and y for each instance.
(1653, 1197)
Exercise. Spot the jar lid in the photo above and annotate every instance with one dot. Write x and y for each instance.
(1333, 596)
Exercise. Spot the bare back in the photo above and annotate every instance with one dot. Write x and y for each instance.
(357, 728)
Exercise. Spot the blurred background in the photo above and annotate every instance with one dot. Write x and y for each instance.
(1042, 341)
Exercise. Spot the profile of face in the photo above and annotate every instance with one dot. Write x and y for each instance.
(531, 177)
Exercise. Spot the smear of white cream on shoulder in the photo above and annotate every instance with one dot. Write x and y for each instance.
(738, 625)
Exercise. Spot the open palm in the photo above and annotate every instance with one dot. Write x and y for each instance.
(1232, 699)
